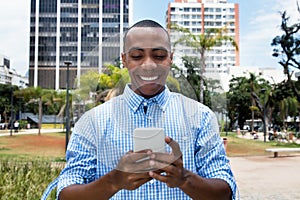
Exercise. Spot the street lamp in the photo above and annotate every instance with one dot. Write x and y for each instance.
(68, 63)
(263, 90)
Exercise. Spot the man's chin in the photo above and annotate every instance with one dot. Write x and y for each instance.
(150, 90)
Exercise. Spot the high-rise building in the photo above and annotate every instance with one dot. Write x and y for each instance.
(86, 32)
(199, 15)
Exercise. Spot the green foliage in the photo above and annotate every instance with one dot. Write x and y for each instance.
(173, 84)
(26, 180)
(5, 101)
(113, 77)
(244, 94)
(191, 64)
(287, 49)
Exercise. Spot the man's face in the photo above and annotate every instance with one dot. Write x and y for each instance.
(148, 59)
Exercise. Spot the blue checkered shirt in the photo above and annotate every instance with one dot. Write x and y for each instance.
(104, 134)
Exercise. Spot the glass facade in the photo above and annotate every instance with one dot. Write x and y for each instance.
(58, 38)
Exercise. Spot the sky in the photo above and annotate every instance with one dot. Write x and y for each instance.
(259, 24)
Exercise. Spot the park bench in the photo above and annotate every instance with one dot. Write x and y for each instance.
(277, 150)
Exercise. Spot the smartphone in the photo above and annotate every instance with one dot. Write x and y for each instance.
(149, 138)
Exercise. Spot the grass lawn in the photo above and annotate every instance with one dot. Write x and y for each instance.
(245, 147)
(33, 147)
(52, 146)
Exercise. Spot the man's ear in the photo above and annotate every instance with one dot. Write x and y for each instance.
(171, 57)
(123, 56)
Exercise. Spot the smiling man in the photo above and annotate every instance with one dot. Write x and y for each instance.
(100, 161)
(148, 60)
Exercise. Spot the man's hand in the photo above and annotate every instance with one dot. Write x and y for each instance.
(171, 164)
(131, 171)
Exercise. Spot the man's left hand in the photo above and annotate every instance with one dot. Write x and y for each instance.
(171, 164)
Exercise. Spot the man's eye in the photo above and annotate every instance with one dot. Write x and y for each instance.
(136, 57)
(160, 57)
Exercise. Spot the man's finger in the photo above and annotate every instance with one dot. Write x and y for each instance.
(174, 145)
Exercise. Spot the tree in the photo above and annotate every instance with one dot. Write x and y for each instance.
(87, 90)
(34, 94)
(254, 83)
(288, 107)
(245, 95)
(238, 101)
(8, 103)
(202, 43)
(282, 103)
(287, 48)
(193, 78)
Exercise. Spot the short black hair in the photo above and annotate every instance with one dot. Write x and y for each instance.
(145, 23)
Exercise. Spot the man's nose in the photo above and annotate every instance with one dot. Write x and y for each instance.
(149, 63)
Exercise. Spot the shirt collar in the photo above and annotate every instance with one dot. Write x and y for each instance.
(135, 101)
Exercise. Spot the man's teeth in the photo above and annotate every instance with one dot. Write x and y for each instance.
(149, 78)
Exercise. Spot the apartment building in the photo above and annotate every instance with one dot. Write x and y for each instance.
(200, 15)
(86, 32)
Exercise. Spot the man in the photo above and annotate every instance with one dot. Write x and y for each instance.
(16, 126)
(100, 160)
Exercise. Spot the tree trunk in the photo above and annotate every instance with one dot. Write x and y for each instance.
(40, 116)
(202, 69)
(252, 123)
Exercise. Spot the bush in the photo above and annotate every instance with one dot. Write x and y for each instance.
(26, 180)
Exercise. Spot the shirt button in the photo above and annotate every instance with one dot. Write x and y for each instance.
(149, 117)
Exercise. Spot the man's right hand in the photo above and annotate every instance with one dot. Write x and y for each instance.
(130, 174)
(131, 171)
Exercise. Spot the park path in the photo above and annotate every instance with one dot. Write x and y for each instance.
(30, 131)
(267, 178)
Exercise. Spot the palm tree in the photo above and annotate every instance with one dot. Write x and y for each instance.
(202, 43)
(36, 95)
(288, 107)
(254, 85)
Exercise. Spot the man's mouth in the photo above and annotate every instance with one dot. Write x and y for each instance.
(149, 78)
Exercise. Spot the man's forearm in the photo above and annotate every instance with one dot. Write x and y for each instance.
(201, 188)
(102, 188)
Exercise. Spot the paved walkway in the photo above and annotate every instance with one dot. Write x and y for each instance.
(30, 131)
(267, 178)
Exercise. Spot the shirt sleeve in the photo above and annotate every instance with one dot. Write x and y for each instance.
(80, 156)
(210, 156)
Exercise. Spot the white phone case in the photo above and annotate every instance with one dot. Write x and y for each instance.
(149, 138)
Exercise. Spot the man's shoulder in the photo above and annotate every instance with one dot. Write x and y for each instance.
(189, 103)
(108, 104)
(180, 97)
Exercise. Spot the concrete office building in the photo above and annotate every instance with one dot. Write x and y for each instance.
(9, 76)
(86, 32)
(199, 15)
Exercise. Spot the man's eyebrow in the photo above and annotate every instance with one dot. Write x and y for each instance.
(135, 48)
(143, 49)
(160, 48)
